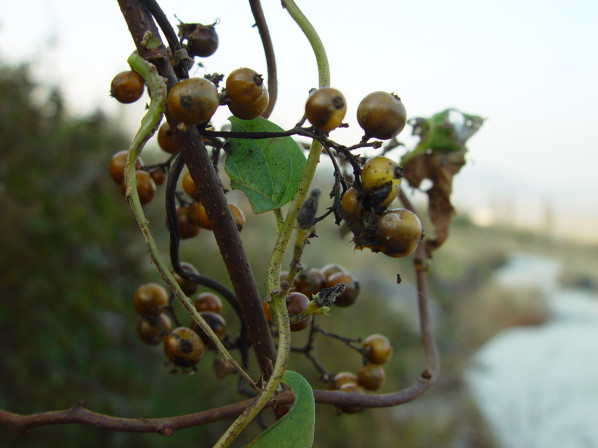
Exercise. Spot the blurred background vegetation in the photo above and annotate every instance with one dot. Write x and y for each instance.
(71, 257)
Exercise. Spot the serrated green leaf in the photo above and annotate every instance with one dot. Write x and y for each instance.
(296, 428)
(267, 170)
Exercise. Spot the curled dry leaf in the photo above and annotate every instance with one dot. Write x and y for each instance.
(439, 156)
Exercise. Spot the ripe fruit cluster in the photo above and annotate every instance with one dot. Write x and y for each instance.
(377, 350)
(209, 306)
(195, 100)
(365, 206)
(394, 232)
(146, 183)
(192, 216)
(149, 301)
(183, 346)
(381, 115)
(308, 283)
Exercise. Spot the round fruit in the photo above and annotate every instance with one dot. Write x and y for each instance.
(309, 282)
(238, 216)
(193, 100)
(198, 215)
(371, 376)
(280, 410)
(153, 329)
(266, 308)
(159, 175)
(342, 378)
(330, 269)
(202, 41)
(381, 180)
(296, 303)
(352, 288)
(187, 286)
(249, 111)
(116, 167)
(187, 227)
(353, 388)
(378, 347)
(381, 115)
(183, 347)
(189, 185)
(146, 187)
(127, 87)
(150, 299)
(244, 86)
(399, 232)
(325, 109)
(207, 301)
(216, 323)
(352, 207)
(166, 139)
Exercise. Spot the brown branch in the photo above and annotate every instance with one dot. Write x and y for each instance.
(165, 426)
(262, 26)
(211, 195)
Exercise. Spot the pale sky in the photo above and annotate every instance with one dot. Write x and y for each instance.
(529, 67)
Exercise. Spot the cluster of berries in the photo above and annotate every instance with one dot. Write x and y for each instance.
(310, 282)
(183, 346)
(394, 232)
(377, 350)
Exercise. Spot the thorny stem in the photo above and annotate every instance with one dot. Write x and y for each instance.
(149, 124)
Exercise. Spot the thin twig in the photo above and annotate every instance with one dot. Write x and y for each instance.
(262, 26)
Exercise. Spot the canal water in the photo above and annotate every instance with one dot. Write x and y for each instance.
(538, 386)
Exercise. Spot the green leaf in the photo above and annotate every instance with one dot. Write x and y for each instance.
(296, 428)
(267, 170)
